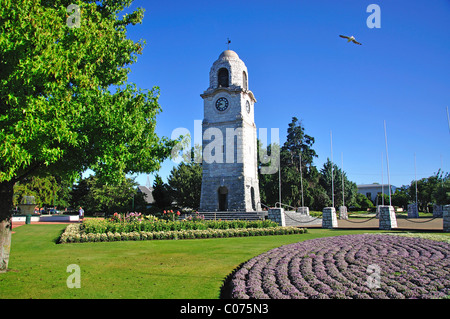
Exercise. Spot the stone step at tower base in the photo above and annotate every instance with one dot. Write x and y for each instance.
(229, 215)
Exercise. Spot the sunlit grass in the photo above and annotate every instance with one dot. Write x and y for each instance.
(188, 269)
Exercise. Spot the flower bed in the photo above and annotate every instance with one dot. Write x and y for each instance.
(74, 233)
(340, 267)
(137, 222)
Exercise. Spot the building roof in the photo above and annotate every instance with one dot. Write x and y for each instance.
(228, 54)
(374, 185)
(148, 192)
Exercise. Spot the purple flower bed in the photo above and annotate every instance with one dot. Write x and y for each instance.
(338, 267)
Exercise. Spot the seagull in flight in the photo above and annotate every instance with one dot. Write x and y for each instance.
(352, 38)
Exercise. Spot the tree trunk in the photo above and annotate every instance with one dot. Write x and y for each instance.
(6, 201)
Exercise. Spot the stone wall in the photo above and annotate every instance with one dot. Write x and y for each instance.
(387, 218)
(329, 219)
(277, 215)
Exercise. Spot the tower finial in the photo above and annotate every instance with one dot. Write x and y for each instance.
(228, 43)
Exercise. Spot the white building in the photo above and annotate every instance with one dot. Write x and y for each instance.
(372, 190)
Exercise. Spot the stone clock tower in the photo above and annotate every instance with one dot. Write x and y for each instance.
(230, 171)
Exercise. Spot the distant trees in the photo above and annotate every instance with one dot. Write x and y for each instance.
(96, 196)
(93, 194)
(296, 159)
(185, 184)
(161, 193)
(349, 191)
(430, 190)
(361, 202)
(297, 155)
(47, 191)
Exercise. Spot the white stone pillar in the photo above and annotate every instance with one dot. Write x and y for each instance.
(343, 212)
(329, 219)
(387, 217)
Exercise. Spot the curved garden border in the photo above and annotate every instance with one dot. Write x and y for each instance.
(351, 266)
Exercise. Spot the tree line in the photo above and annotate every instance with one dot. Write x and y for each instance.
(311, 188)
(302, 184)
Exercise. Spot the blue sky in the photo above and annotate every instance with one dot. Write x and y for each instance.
(299, 66)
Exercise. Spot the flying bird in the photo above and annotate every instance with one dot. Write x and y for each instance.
(352, 38)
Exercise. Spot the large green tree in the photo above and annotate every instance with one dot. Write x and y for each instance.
(65, 102)
(295, 156)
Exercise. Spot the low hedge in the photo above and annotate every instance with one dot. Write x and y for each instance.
(75, 234)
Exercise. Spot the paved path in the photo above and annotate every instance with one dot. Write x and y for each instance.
(426, 224)
(402, 223)
(17, 224)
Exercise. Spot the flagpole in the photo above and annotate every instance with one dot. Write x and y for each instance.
(332, 177)
(301, 178)
(387, 160)
(382, 183)
(448, 120)
(415, 178)
(279, 181)
(343, 196)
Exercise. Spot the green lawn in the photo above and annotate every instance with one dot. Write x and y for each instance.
(134, 269)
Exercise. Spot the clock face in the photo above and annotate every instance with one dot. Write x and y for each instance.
(247, 106)
(222, 104)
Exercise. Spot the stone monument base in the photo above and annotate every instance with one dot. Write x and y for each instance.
(277, 215)
(437, 211)
(343, 212)
(329, 219)
(303, 210)
(413, 211)
(446, 218)
(388, 220)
